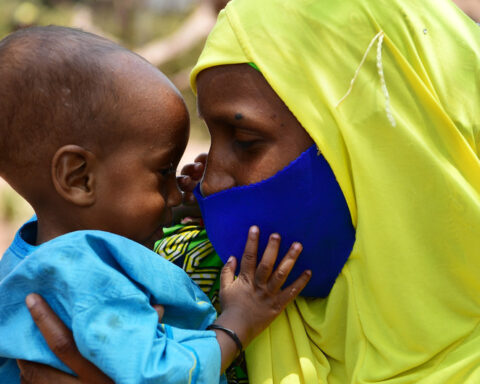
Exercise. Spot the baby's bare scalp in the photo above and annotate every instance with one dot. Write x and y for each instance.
(57, 83)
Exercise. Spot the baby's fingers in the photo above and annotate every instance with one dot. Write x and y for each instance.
(194, 170)
(280, 275)
(265, 267)
(249, 258)
(228, 273)
(201, 158)
(186, 183)
(293, 290)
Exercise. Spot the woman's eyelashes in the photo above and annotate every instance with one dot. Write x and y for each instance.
(246, 140)
(245, 144)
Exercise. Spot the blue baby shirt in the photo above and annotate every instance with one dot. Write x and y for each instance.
(103, 286)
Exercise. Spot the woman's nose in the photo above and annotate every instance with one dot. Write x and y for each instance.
(215, 179)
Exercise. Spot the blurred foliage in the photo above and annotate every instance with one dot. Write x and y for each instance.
(146, 24)
(13, 209)
(130, 22)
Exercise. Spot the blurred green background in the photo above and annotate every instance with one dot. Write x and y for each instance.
(169, 33)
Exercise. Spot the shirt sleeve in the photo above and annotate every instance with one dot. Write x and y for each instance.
(128, 344)
(102, 287)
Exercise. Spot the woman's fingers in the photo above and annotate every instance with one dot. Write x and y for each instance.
(248, 264)
(34, 373)
(265, 267)
(60, 340)
(280, 275)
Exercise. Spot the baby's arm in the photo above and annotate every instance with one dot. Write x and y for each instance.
(253, 300)
(256, 288)
(120, 333)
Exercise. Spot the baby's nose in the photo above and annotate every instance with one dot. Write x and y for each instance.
(174, 194)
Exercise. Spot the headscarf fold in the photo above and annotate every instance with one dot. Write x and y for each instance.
(404, 147)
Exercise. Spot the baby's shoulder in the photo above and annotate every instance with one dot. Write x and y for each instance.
(89, 239)
(82, 257)
(84, 245)
(97, 253)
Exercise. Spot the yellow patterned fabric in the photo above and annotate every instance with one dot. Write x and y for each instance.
(188, 247)
(403, 142)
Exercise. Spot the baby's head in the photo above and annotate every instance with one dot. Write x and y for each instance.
(90, 133)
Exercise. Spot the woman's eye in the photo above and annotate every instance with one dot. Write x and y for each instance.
(245, 144)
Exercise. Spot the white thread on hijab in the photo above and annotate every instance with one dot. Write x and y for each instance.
(388, 108)
(379, 36)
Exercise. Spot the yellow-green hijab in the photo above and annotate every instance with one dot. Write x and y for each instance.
(404, 146)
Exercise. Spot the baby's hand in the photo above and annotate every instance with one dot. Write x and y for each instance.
(190, 176)
(253, 300)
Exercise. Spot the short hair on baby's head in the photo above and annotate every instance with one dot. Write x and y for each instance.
(54, 88)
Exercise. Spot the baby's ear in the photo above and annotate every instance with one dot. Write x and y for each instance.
(73, 174)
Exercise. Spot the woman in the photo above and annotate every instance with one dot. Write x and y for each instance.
(389, 92)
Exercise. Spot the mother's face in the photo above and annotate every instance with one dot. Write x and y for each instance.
(253, 133)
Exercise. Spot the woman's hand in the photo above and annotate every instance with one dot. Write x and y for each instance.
(253, 300)
(60, 340)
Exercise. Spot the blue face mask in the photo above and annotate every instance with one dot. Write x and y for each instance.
(303, 202)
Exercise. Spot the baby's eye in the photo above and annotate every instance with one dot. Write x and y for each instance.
(167, 171)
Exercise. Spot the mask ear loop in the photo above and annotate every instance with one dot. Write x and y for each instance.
(379, 36)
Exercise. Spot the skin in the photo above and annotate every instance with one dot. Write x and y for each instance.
(94, 181)
(219, 4)
(78, 179)
(253, 133)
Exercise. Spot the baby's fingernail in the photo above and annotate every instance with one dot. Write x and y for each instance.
(30, 301)
(230, 260)
(275, 236)
(253, 232)
(297, 246)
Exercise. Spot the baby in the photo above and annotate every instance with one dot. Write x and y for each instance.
(90, 136)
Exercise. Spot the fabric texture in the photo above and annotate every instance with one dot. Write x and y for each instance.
(318, 218)
(103, 287)
(188, 247)
(404, 147)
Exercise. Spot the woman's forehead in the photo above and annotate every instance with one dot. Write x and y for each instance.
(236, 88)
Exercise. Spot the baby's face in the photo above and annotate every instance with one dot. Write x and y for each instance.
(135, 184)
(253, 133)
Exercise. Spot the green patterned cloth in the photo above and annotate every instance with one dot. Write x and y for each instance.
(188, 247)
